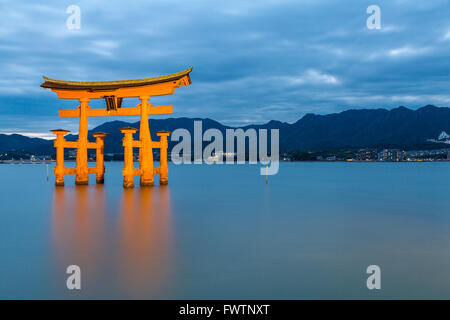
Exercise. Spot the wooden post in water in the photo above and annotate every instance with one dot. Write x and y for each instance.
(59, 145)
(100, 164)
(82, 171)
(128, 170)
(163, 168)
(146, 151)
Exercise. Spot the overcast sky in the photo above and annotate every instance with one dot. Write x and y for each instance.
(254, 60)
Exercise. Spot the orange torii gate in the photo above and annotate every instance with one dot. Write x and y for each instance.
(113, 92)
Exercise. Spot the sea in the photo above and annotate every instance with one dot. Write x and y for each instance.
(223, 232)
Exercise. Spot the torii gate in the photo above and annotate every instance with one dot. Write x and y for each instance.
(113, 92)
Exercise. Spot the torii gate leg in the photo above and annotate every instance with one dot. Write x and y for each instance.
(100, 136)
(82, 174)
(146, 151)
(163, 168)
(128, 170)
(59, 145)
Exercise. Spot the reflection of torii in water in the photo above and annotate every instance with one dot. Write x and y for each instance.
(79, 229)
(131, 258)
(145, 242)
(113, 92)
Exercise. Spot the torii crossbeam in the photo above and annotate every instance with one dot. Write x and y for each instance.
(114, 92)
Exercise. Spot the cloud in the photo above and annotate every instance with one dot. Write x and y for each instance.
(104, 48)
(419, 100)
(408, 51)
(311, 76)
(318, 77)
(391, 28)
(253, 61)
(446, 36)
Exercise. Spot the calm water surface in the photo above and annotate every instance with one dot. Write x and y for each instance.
(220, 232)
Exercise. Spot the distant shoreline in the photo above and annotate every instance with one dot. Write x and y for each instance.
(313, 161)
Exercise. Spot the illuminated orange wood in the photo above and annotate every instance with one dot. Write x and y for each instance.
(158, 90)
(146, 150)
(74, 144)
(157, 86)
(163, 168)
(59, 145)
(70, 171)
(82, 176)
(100, 165)
(128, 170)
(71, 144)
(156, 144)
(65, 113)
(112, 91)
(92, 170)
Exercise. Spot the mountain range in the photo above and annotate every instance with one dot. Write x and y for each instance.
(357, 128)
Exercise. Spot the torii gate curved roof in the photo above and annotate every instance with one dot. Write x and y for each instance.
(113, 85)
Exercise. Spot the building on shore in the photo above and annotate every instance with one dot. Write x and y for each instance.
(367, 154)
(393, 155)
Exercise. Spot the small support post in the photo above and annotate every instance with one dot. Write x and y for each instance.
(100, 136)
(128, 169)
(82, 171)
(163, 168)
(59, 145)
(145, 151)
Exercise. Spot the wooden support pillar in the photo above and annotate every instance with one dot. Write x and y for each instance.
(128, 170)
(163, 168)
(82, 171)
(100, 136)
(146, 151)
(59, 145)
